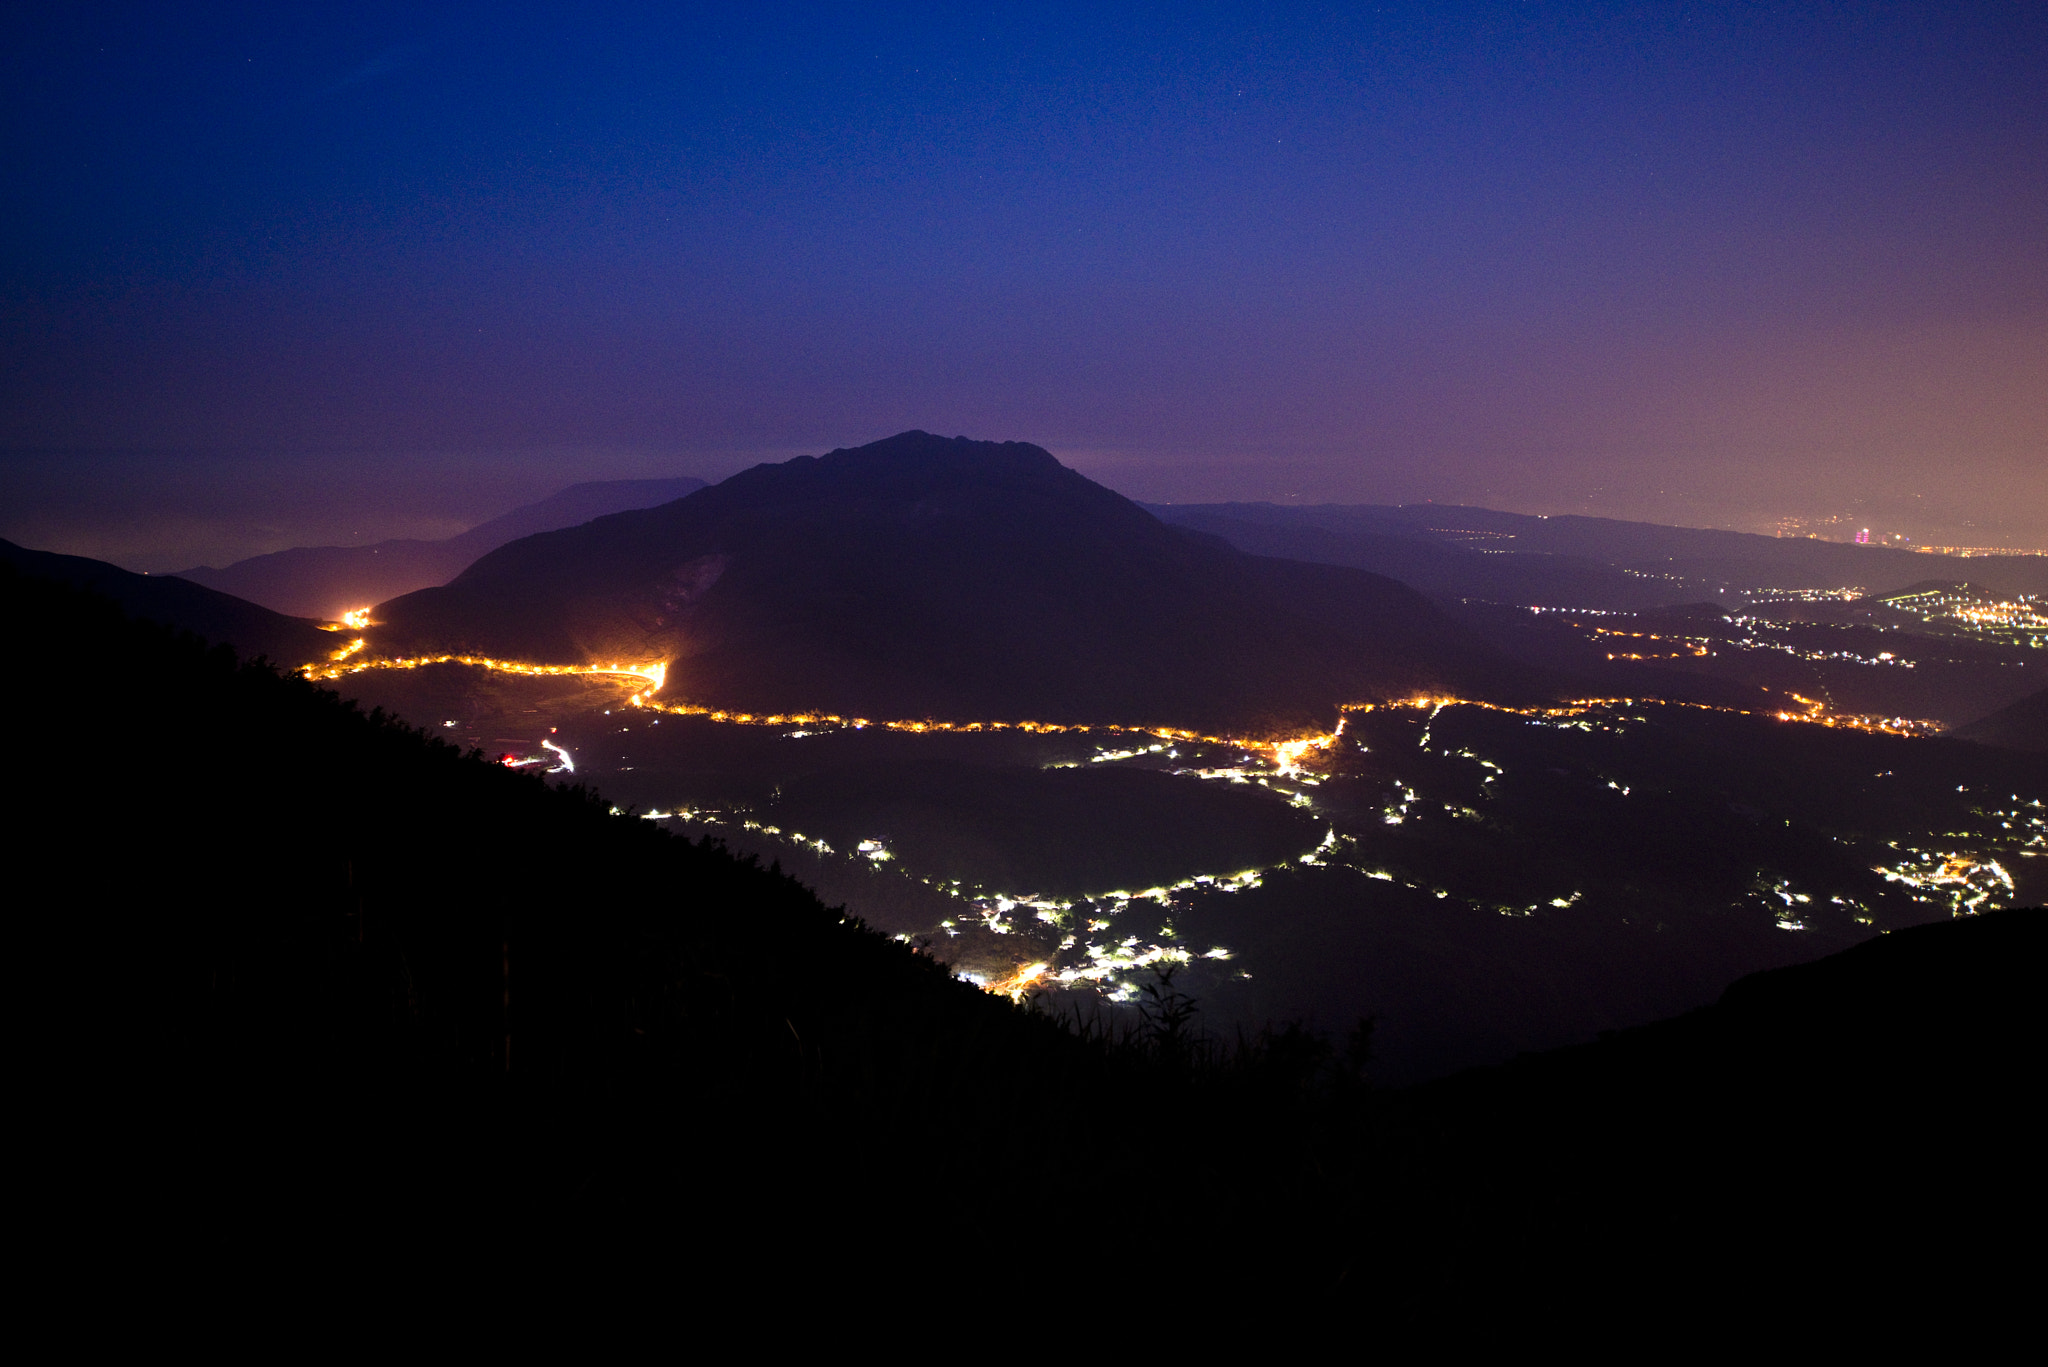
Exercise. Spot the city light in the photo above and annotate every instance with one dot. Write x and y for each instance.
(1106, 964)
(2022, 620)
(653, 675)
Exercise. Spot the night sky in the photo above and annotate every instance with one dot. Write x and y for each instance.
(286, 274)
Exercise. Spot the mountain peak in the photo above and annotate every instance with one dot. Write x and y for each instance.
(927, 576)
(911, 462)
(917, 446)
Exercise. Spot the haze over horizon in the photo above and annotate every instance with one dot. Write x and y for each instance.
(343, 275)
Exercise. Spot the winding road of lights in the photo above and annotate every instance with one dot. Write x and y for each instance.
(1106, 962)
(1287, 754)
(652, 675)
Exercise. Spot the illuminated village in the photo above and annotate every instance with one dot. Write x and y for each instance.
(1084, 941)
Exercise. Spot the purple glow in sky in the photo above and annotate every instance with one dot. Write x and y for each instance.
(268, 274)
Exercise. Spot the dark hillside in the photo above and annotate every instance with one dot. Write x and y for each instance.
(1834, 1124)
(1432, 566)
(336, 999)
(921, 576)
(302, 978)
(251, 629)
(287, 888)
(2022, 726)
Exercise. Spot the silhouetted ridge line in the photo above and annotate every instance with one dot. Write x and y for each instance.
(250, 629)
(325, 581)
(1452, 551)
(953, 579)
(2022, 726)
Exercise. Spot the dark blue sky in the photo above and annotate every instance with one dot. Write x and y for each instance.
(266, 266)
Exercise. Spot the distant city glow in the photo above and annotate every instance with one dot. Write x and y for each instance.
(2022, 620)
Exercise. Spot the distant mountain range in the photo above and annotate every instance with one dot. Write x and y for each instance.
(925, 576)
(1448, 551)
(325, 581)
(219, 617)
(919, 576)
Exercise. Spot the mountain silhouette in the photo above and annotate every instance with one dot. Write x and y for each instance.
(219, 617)
(1453, 551)
(326, 581)
(1442, 568)
(925, 576)
(2022, 726)
(1680, 1148)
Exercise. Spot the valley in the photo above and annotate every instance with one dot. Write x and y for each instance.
(1089, 760)
(1484, 879)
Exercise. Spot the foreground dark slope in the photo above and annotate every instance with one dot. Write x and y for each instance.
(326, 581)
(1824, 1136)
(249, 628)
(921, 576)
(336, 962)
(357, 887)
(270, 953)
